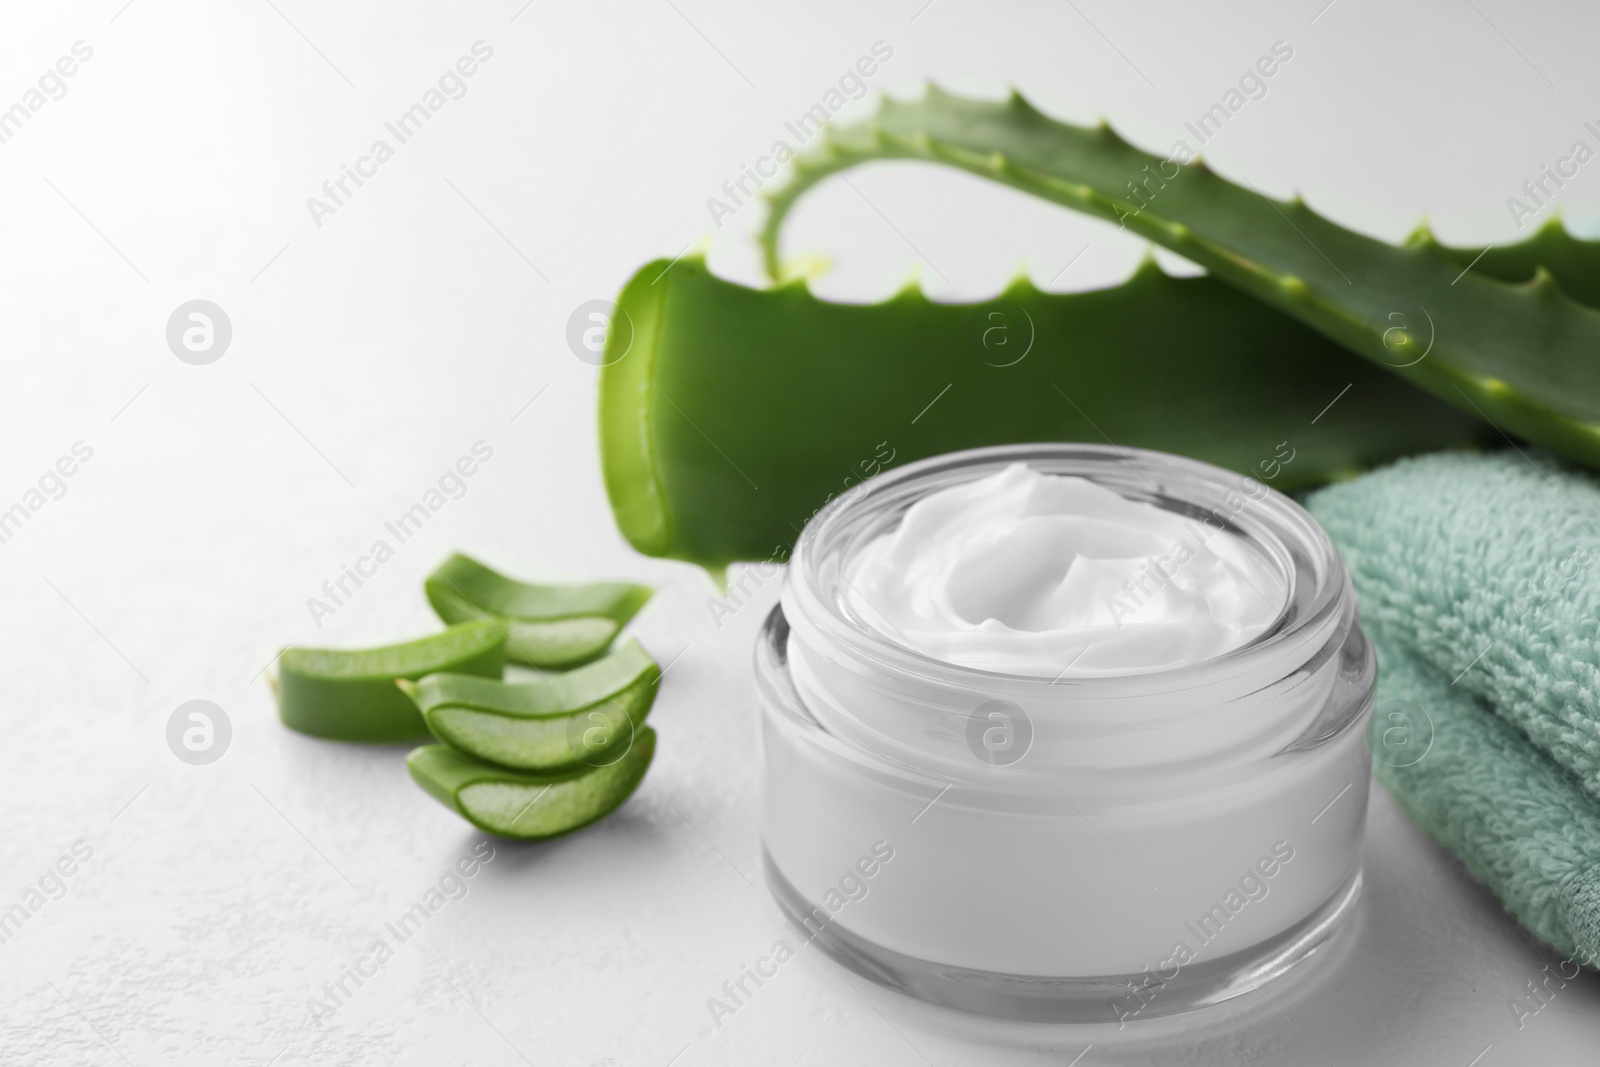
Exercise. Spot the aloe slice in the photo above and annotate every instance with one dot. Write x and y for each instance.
(350, 695)
(1512, 341)
(525, 805)
(546, 625)
(586, 716)
(738, 412)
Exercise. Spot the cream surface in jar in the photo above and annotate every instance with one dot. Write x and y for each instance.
(1040, 574)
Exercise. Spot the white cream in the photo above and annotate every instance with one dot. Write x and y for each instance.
(1049, 575)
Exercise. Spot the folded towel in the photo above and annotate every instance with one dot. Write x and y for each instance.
(1519, 822)
(1478, 578)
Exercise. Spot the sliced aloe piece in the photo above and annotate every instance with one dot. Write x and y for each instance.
(582, 716)
(1510, 339)
(546, 625)
(738, 412)
(350, 695)
(526, 805)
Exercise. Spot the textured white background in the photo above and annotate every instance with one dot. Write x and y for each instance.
(370, 353)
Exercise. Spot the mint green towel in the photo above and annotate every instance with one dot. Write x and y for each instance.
(1478, 578)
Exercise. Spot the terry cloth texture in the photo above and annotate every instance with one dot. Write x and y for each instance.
(1478, 578)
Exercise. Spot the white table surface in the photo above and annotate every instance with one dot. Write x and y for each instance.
(422, 317)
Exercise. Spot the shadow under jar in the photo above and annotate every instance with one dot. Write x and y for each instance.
(1077, 849)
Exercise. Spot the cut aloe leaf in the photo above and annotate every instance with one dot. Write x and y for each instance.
(350, 695)
(1510, 338)
(526, 805)
(738, 412)
(554, 626)
(585, 716)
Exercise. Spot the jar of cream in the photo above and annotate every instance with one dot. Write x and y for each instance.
(1065, 732)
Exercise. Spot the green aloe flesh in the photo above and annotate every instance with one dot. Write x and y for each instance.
(1513, 339)
(525, 805)
(555, 626)
(350, 695)
(738, 412)
(584, 716)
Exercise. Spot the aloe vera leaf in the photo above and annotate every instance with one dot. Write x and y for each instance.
(555, 626)
(1518, 353)
(350, 695)
(525, 805)
(1573, 262)
(737, 412)
(581, 716)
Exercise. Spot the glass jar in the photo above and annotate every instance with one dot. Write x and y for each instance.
(1078, 849)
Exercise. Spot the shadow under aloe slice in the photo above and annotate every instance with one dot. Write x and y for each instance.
(530, 806)
(350, 694)
(580, 717)
(555, 626)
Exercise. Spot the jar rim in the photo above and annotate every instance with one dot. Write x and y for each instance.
(1317, 586)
